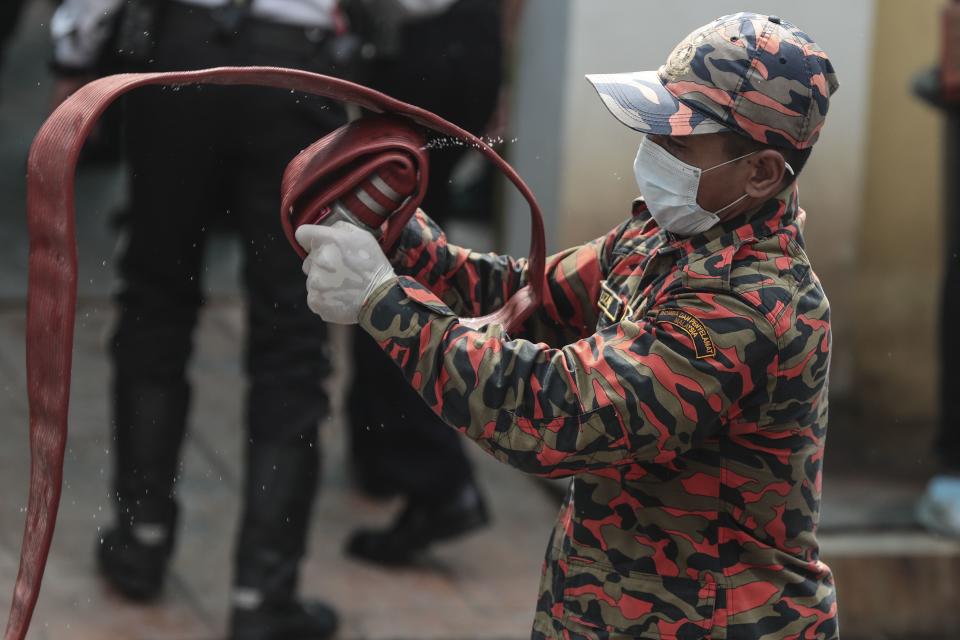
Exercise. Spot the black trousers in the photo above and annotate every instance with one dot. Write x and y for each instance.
(199, 155)
(451, 65)
(9, 18)
(948, 438)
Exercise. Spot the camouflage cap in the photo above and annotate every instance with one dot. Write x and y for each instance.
(754, 74)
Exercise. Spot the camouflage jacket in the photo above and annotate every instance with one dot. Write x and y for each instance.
(681, 382)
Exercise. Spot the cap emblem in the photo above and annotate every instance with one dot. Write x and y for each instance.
(678, 64)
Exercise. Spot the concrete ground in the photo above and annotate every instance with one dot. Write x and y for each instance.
(895, 581)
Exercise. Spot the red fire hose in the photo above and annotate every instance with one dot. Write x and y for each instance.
(361, 163)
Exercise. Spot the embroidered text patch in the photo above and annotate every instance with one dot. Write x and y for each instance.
(693, 327)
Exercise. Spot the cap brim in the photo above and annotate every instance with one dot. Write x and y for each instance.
(640, 101)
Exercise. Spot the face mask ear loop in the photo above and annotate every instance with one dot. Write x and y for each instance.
(735, 202)
(786, 165)
(723, 164)
(741, 198)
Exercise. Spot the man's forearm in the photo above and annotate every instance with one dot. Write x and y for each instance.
(470, 283)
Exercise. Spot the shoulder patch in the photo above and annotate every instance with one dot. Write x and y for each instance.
(702, 341)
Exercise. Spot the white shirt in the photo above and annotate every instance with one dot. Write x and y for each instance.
(81, 27)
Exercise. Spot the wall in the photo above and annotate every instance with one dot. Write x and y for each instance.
(540, 87)
(899, 245)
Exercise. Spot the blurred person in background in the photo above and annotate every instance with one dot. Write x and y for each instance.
(451, 64)
(196, 154)
(939, 508)
(9, 19)
(677, 368)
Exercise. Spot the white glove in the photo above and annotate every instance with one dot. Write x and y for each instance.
(344, 266)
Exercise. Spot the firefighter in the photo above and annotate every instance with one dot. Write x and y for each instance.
(677, 368)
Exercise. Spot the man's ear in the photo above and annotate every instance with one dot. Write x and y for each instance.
(766, 177)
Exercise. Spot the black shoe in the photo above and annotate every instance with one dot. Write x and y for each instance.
(419, 526)
(290, 621)
(134, 569)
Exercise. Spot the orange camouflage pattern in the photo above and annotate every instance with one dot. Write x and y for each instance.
(758, 75)
(681, 382)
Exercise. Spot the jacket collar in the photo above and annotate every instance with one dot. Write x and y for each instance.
(778, 214)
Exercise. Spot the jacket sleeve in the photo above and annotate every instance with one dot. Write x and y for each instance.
(475, 284)
(646, 389)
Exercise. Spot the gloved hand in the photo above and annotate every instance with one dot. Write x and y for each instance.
(344, 266)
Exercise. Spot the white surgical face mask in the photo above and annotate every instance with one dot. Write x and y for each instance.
(669, 187)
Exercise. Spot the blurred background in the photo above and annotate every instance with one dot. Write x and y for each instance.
(875, 193)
